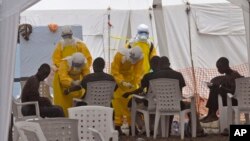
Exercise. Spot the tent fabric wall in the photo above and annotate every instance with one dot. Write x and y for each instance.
(244, 4)
(9, 19)
(205, 48)
(95, 26)
(39, 48)
(219, 19)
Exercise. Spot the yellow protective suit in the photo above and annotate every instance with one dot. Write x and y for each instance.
(145, 47)
(61, 52)
(62, 80)
(127, 72)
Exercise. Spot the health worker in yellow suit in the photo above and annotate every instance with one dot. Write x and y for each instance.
(67, 46)
(70, 73)
(142, 40)
(127, 69)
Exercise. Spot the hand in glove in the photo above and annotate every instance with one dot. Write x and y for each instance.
(67, 91)
(127, 84)
(126, 95)
(75, 83)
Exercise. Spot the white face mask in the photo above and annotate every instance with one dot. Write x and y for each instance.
(143, 37)
(68, 41)
(76, 69)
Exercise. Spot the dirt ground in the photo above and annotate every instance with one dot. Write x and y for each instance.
(211, 137)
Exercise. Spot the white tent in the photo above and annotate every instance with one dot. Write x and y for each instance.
(172, 27)
(9, 18)
(217, 29)
(94, 20)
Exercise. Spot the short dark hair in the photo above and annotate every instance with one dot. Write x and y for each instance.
(154, 62)
(164, 62)
(44, 67)
(98, 64)
(222, 61)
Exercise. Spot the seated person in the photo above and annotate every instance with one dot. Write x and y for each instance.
(166, 72)
(30, 92)
(154, 64)
(98, 75)
(220, 85)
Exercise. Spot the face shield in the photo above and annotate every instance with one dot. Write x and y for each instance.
(143, 36)
(78, 61)
(77, 66)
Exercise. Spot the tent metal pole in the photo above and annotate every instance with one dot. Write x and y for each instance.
(191, 57)
(248, 34)
(109, 40)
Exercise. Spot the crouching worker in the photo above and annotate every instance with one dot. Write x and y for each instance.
(127, 69)
(70, 73)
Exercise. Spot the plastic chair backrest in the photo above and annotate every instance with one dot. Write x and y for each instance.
(242, 92)
(168, 94)
(150, 96)
(59, 129)
(96, 117)
(29, 131)
(97, 135)
(44, 90)
(100, 93)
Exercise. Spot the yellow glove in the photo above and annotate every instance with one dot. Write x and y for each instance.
(127, 84)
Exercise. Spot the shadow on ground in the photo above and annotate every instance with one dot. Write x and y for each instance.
(211, 137)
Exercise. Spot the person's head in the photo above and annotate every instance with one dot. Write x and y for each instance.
(154, 63)
(222, 65)
(98, 64)
(135, 54)
(164, 63)
(142, 32)
(78, 61)
(43, 72)
(67, 34)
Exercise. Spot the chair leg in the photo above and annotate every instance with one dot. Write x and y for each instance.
(163, 127)
(157, 119)
(167, 125)
(194, 125)
(237, 117)
(15, 135)
(247, 118)
(182, 121)
(133, 117)
(147, 121)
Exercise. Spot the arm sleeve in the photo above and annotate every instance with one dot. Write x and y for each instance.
(138, 72)
(115, 67)
(182, 81)
(65, 79)
(57, 55)
(153, 53)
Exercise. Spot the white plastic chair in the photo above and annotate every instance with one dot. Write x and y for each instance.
(168, 97)
(242, 94)
(97, 135)
(224, 113)
(99, 93)
(17, 110)
(59, 129)
(146, 111)
(18, 116)
(96, 117)
(29, 131)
